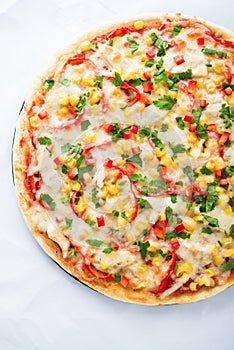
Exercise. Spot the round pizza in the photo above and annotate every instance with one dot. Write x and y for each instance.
(124, 159)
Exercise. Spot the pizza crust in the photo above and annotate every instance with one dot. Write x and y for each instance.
(109, 288)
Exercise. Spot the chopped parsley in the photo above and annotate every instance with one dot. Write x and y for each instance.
(48, 200)
(225, 85)
(190, 173)
(179, 148)
(227, 266)
(79, 108)
(180, 123)
(93, 46)
(117, 277)
(164, 127)
(64, 81)
(204, 170)
(136, 159)
(117, 81)
(132, 43)
(107, 250)
(72, 252)
(231, 231)
(176, 30)
(95, 198)
(173, 198)
(66, 199)
(160, 44)
(83, 170)
(169, 215)
(94, 242)
(99, 81)
(47, 83)
(143, 203)
(138, 177)
(44, 140)
(85, 124)
(208, 51)
(143, 247)
(68, 223)
(165, 103)
(212, 221)
(207, 230)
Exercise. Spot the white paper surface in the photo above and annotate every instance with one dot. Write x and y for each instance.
(41, 307)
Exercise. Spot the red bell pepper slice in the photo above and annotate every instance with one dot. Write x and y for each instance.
(128, 86)
(148, 86)
(120, 32)
(166, 279)
(72, 173)
(188, 118)
(202, 103)
(76, 60)
(100, 221)
(179, 228)
(228, 91)
(224, 137)
(200, 41)
(178, 60)
(124, 281)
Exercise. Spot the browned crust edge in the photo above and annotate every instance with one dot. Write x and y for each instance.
(109, 288)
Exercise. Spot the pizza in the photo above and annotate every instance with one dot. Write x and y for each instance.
(124, 159)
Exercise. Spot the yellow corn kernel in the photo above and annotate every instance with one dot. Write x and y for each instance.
(219, 163)
(103, 193)
(210, 88)
(198, 218)
(218, 79)
(138, 25)
(166, 161)
(129, 212)
(94, 110)
(223, 198)
(200, 82)
(81, 206)
(209, 272)
(76, 80)
(192, 137)
(138, 139)
(94, 99)
(228, 210)
(214, 249)
(35, 121)
(217, 260)
(147, 39)
(87, 177)
(220, 128)
(230, 100)
(85, 45)
(189, 224)
(232, 179)
(79, 69)
(61, 112)
(184, 268)
(63, 99)
(112, 189)
(140, 106)
(227, 241)
(142, 268)
(228, 253)
(149, 155)
(89, 137)
(76, 186)
(102, 265)
(160, 91)
(156, 261)
(116, 92)
(218, 67)
(88, 80)
(119, 162)
(74, 99)
(203, 120)
(193, 286)
(183, 109)
(71, 163)
(121, 221)
(107, 240)
(67, 186)
(129, 237)
(203, 281)
(220, 190)
(198, 94)
(160, 153)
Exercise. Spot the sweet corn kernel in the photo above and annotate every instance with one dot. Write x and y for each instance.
(228, 253)
(74, 99)
(193, 286)
(87, 177)
(160, 153)
(35, 121)
(147, 39)
(76, 80)
(220, 128)
(103, 192)
(67, 186)
(218, 79)
(129, 212)
(227, 210)
(210, 88)
(102, 265)
(198, 94)
(79, 69)
(142, 268)
(214, 249)
(85, 45)
(116, 92)
(129, 237)
(81, 206)
(61, 112)
(220, 190)
(173, 94)
(209, 272)
(94, 110)
(94, 99)
(156, 261)
(192, 138)
(227, 241)
(107, 240)
(88, 80)
(203, 281)
(119, 162)
(140, 106)
(183, 109)
(138, 25)
(232, 179)
(189, 224)
(121, 221)
(89, 137)
(71, 163)
(184, 268)
(218, 67)
(63, 99)
(230, 100)
(223, 198)
(219, 163)
(149, 156)
(76, 186)
(217, 260)
(112, 189)
(166, 161)
(138, 139)
(200, 82)
(162, 216)
(198, 218)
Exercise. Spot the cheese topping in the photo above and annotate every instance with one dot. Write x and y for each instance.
(133, 157)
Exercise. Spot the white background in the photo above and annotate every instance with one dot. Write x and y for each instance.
(41, 307)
